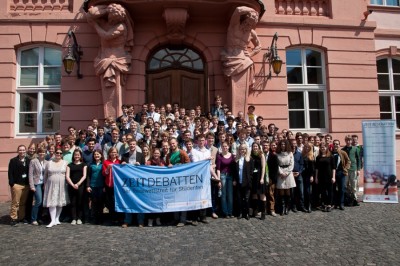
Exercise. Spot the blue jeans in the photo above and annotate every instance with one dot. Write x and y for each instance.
(128, 218)
(341, 188)
(38, 201)
(227, 194)
(298, 195)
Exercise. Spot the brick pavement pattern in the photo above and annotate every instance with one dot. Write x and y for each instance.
(365, 235)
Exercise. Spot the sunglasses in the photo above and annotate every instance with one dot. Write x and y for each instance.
(59, 153)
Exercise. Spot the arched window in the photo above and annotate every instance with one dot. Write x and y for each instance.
(306, 89)
(389, 88)
(38, 86)
(176, 58)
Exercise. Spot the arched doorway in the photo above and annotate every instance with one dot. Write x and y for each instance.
(176, 75)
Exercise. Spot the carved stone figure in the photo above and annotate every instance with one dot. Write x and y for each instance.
(115, 28)
(236, 59)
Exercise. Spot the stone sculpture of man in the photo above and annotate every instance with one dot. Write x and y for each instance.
(115, 29)
(236, 59)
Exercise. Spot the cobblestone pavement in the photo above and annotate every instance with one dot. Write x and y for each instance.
(365, 235)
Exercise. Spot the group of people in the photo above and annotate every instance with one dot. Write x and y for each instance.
(255, 169)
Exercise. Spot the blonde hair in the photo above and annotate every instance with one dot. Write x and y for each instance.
(310, 153)
(238, 155)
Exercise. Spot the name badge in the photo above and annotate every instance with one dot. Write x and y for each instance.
(24, 176)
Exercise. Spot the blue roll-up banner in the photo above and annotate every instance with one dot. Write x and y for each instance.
(380, 181)
(155, 189)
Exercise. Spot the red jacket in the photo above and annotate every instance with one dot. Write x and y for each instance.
(109, 181)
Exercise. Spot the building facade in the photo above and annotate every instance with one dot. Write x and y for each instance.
(340, 64)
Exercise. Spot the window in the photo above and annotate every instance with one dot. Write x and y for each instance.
(176, 58)
(389, 88)
(306, 89)
(38, 91)
(385, 2)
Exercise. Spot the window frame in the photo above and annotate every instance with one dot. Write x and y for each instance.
(392, 93)
(38, 89)
(306, 88)
(384, 3)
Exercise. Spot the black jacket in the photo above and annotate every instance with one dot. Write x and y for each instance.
(248, 167)
(16, 170)
(273, 167)
(139, 158)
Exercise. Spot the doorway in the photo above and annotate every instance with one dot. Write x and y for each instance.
(176, 76)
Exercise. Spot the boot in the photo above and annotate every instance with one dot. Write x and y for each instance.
(264, 205)
(287, 207)
(283, 204)
(254, 203)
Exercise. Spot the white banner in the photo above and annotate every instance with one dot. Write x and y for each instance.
(379, 138)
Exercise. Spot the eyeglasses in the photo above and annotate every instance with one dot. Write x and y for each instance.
(58, 153)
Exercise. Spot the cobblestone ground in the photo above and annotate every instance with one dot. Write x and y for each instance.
(365, 235)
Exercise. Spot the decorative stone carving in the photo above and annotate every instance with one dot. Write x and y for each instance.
(303, 7)
(238, 66)
(175, 18)
(40, 5)
(115, 29)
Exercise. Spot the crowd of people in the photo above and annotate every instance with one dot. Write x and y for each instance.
(256, 169)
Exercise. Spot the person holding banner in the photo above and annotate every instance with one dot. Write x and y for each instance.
(325, 171)
(109, 181)
(177, 156)
(242, 179)
(155, 160)
(136, 158)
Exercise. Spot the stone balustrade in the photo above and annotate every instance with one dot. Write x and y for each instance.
(40, 5)
(303, 7)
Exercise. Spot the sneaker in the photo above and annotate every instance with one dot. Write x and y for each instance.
(73, 222)
(13, 222)
(150, 223)
(195, 223)
(24, 221)
(35, 223)
(125, 225)
(158, 222)
(79, 221)
(180, 225)
(214, 215)
(141, 225)
(273, 214)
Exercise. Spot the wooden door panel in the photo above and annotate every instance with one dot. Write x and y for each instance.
(177, 86)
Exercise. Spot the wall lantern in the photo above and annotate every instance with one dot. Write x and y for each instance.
(272, 57)
(74, 55)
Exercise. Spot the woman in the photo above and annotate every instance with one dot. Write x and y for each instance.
(76, 176)
(155, 160)
(259, 187)
(109, 182)
(286, 179)
(36, 176)
(51, 148)
(231, 142)
(225, 167)
(243, 180)
(95, 185)
(163, 123)
(81, 141)
(146, 152)
(55, 187)
(325, 175)
(308, 173)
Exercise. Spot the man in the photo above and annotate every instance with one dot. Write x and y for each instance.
(95, 124)
(273, 172)
(360, 149)
(152, 113)
(88, 153)
(18, 179)
(177, 156)
(124, 109)
(354, 170)
(133, 157)
(299, 140)
(297, 193)
(242, 139)
(57, 140)
(101, 138)
(199, 154)
(169, 112)
(133, 130)
(342, 162)
(164, 150)
(271, 131)
(260, 120)
(138, 116)
(113, 143)
(147, 136)
(217, 110)
(229, 127)
(215, 183)
(251, 117)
